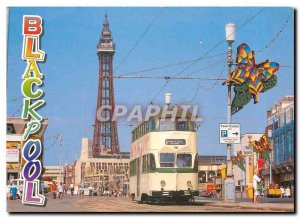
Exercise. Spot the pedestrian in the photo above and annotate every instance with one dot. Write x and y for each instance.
(257, 186)
(106, 192)
(21, 190)
(53, 190)
(90, 190)
(43, 188)
(60, 191)
(287, 192)
(13, 191)
(65, 188)
(282, 192)
(72, 188)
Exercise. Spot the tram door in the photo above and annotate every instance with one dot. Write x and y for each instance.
(138, 164)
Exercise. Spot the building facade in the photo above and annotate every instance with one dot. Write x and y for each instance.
(53, 174)
(281, 127)
(103, 172)
(245, 178)
(210, 172)
(70, 174)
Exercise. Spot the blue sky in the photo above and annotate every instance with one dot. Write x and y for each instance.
(178, 34)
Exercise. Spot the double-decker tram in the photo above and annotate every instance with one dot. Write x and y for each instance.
(164, 159)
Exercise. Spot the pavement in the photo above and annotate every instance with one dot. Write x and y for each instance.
(125, 204)
(263, 205)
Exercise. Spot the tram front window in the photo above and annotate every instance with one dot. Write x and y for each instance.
(166, 124)
(167, 159)
(184, 160)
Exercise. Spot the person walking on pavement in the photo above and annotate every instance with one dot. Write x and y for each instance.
(256, 185)
(54, 189)
(287, 192)
(21, 190)
(43, 188)
(13, 191)
(90, 190)
(282, 192)
(60, 191)
(72, 188)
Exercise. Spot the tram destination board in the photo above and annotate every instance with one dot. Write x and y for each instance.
(175, 141)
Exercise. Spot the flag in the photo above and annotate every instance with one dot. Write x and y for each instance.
(260, 163)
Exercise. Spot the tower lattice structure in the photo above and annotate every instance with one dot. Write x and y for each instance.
(105, 141)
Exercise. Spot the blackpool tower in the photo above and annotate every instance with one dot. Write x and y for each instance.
(105, 140)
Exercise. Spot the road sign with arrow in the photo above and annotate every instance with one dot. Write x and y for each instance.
(230, 133)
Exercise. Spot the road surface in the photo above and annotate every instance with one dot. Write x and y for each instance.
(113, 204)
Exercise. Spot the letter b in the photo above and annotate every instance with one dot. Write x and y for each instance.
(32, 25)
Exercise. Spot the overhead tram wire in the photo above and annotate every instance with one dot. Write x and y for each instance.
(14, 99)
(53, 143)
(18, 110)
(170, 65)
(277, 34)
(139, 39)
(259, 52)
(214, 47)
(208, 66)
(211, 87)
(167, 78)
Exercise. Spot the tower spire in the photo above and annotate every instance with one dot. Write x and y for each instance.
(105, 28)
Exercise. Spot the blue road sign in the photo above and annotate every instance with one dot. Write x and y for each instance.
(224, 133)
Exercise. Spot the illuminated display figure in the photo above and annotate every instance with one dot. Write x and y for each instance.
(249, 78)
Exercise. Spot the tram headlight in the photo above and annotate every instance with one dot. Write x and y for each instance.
(189, 184)
(162, 183)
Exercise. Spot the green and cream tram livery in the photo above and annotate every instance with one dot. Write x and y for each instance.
(164, 160)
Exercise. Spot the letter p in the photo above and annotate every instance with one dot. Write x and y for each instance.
(32, 127)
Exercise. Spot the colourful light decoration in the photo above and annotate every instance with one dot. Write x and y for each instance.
(249, 78)
(262, 147)
(239, 160)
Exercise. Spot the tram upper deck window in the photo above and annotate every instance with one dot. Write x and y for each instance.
(167, 159)
(184, 160)
(168, 124)
(151, 124)
(182, 125)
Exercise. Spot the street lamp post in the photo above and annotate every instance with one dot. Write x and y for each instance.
(230, 38)
(229, 185)
(270, 160)
(60, 167)
(19, 162)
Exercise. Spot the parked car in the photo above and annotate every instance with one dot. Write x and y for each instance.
(206, 194)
